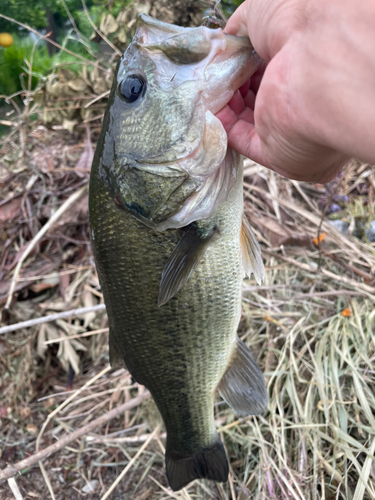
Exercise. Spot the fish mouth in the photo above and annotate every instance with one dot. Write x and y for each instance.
(219, 63)
(228, 69)
(191, 176)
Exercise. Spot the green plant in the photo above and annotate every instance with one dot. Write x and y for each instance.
(24, 56)
(13, 66)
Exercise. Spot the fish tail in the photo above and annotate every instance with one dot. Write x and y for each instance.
(208, 463)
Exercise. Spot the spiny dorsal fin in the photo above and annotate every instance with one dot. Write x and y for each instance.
(251, 253)
(242, 385)
(182, 262)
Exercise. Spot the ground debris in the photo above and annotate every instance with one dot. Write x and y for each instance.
(310, 325)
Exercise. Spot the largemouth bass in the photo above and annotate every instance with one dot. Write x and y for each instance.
(169, 239)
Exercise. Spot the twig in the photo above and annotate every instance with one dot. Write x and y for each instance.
(15, 490)
(11, 470)
(118, 52)
(72, 199)
(55, 412)
(129, 439)
(67, 401)
(47, 481)
(97, 98)
(72, 22)
(27, 27)
(130, 464)
(51, 317)
(77, 336)
(367, 290)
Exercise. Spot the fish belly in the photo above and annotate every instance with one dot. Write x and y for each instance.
(180, 350)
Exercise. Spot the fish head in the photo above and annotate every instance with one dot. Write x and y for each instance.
(163, 146)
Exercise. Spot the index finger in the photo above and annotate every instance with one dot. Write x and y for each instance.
(237, 23)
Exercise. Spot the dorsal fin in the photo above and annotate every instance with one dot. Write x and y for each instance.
(182, 261)
(242, 385)
(251, 253)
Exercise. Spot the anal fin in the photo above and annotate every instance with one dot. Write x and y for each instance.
(242, 385)
(251, 253)
(183, 260)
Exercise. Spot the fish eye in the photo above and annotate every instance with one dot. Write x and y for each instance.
(132, 88)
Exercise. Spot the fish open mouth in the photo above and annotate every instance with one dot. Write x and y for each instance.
(221, 63)
(190, 73)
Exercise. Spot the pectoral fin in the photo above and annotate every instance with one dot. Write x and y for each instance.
(242, 385)
(182, 261)
(251, 253)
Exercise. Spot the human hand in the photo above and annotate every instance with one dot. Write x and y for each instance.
(299, 114)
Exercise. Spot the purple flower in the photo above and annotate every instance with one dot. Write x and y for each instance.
(334, 208)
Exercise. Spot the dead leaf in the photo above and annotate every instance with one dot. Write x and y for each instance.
(68, 356)
(25, 412)
(44, 284)
(10, 210)
(5, 411)
(278, 234)
(121, 35)
(38, 268)
(260, 182)
(108, 24)
(33, 495)
(3, 347)
(31, 429)
(43, 162)
(78, 84)
(69, 124)
(77, 213)
(122, 18)
(43, 335)
(63, 285)
(67, 352)
(83, 165)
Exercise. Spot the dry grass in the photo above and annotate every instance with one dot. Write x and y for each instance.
(310, 326)
(317, 440)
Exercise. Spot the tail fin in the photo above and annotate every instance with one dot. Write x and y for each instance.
(209, 463)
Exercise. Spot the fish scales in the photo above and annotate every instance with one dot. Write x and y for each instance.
(197, 327)
(169, 238)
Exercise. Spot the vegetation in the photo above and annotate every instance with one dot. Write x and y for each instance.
(310, 326)
(27, 59)
(54, 15)
(64, 21)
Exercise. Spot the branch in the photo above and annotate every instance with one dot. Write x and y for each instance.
(12, 470)
(27, 27)
(115, 49)
(67, 203)
(51, 317)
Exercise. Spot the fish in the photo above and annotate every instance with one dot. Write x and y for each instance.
(170, 241)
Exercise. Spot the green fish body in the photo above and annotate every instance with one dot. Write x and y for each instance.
(170, 242)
